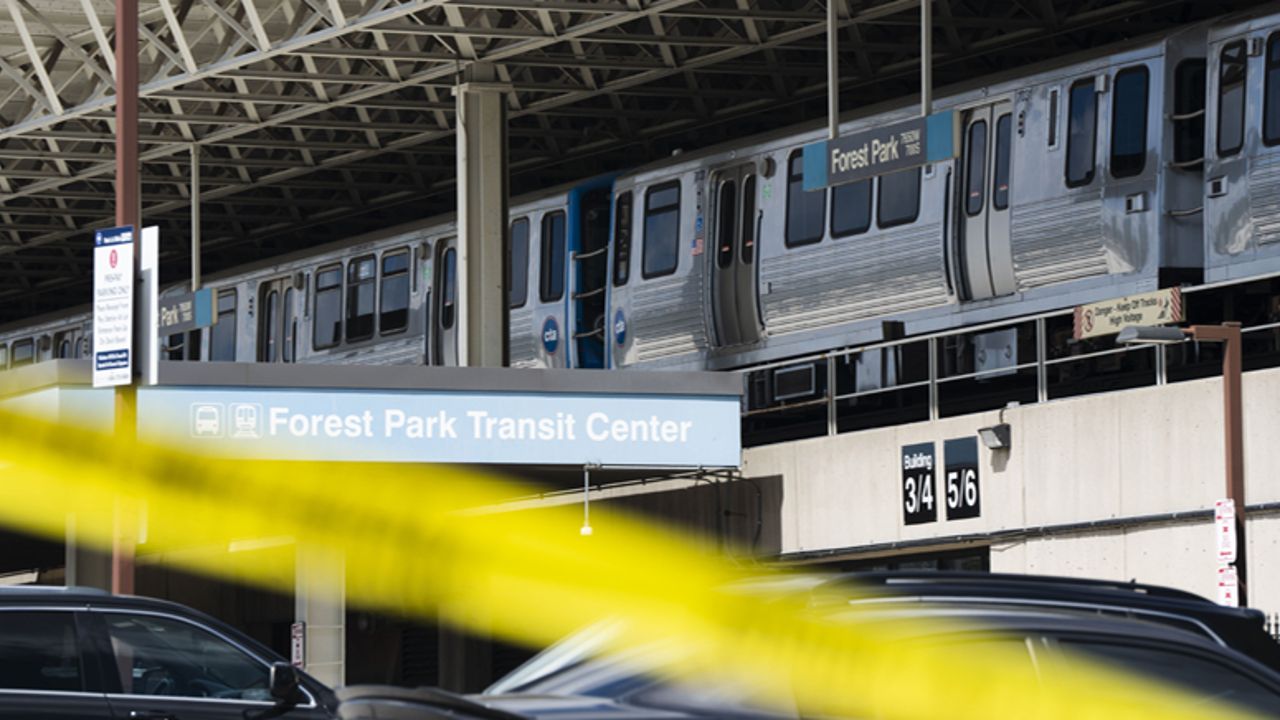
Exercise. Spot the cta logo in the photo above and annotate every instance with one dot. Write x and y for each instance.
(550, 335)
(620, 328)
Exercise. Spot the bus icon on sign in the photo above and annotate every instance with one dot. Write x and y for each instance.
(206, 420)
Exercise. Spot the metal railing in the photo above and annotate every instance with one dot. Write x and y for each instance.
(944, 376)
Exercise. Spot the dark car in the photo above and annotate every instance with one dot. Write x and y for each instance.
(1219, 655)
(89, 655)
(1241, 629)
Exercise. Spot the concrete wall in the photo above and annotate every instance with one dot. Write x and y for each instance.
(1109, 457)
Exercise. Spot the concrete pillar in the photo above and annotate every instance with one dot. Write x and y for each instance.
(482, 217)
(86, 567)
(320, 603)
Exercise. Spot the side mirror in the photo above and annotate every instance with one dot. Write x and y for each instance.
(285, 685)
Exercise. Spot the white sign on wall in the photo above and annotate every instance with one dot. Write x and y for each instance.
(113, 307)
(1228, 586)
(1224, 528)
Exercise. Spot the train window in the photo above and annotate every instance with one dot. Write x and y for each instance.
(1129, 122)
(1271, 101)
(449, 289)
(222, 344)
(289, 348)
(362, 273)
(749, 219)
(269, 338)
(899, 198)
(1000, 175)
(4, 356)
(622, 240)
(1053, 118)
(805, 210)
(24, 352)
(1082, 133)
(1188, 104)
(975, 173)
(661, 230)
(551, 259)
(728, 206)
(327, 330)
(1231, 78)
(518, 267)
(851, 208)
(64, 347)
(393, 305)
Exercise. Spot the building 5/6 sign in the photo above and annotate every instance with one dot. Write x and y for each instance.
(918, 504)
(961, 479)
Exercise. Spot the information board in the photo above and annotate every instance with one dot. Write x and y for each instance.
(881, 150)
(918, 486)
(113, 307)
(526, 428)
(1109, 317)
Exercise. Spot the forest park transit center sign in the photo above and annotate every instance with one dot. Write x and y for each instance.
(527, 428)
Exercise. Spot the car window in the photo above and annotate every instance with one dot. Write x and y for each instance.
(1214, 681)
(39, 651)
(169, 657)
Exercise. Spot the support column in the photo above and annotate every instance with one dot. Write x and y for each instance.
(128, 212)
(320, 603)
(482, 218)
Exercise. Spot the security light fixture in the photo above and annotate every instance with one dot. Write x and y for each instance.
(1150, 335)
(997, 437)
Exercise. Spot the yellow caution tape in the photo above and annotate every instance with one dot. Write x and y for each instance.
(412, 541)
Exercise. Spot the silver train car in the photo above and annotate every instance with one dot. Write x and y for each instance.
(1090, 179)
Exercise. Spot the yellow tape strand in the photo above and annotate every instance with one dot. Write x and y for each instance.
(412, 542)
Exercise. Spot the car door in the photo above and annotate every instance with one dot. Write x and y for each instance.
(1219, 678)
(45, 673)
(163, 667)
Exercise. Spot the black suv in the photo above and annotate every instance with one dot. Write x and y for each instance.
(89, 655)
(1221, 655)
(1241, 629)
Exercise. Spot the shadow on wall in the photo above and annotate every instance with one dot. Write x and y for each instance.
(740, 516)
(999, 460)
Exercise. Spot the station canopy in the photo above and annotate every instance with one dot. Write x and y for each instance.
(317, 120)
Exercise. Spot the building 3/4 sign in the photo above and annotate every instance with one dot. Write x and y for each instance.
(918, 503)
(441, 426)
(113, 307)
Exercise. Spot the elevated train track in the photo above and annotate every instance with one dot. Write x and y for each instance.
(315, 121)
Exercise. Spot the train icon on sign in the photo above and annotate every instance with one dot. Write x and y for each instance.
(244, 420)
(206, 420)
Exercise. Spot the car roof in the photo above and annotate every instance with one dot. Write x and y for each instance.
(1240, 628)
(88, 597)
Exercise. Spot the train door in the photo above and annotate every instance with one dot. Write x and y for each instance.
(445, 306)
(734, 307)
(985, 252)
(277, 321)
(589, 273)
(552, 347)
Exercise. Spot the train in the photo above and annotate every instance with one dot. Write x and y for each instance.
(1119, 171)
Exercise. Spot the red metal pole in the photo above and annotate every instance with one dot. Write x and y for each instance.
(1233, 424)
(128, 212)
(1233, 433)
